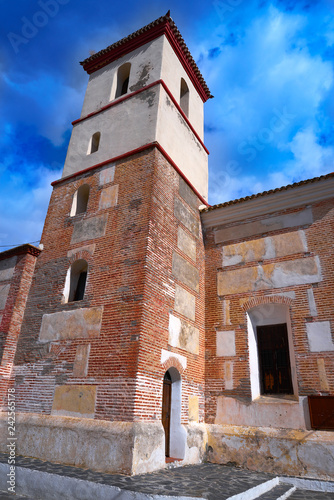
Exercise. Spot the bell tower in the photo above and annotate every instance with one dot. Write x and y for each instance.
(144, 89)
(115, 310)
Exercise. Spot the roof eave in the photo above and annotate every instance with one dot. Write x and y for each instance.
(294, 196)
(162, 26)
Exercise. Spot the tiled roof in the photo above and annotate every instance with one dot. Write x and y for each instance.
(160, 21)
(271, 191)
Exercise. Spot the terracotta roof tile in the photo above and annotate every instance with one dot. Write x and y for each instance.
(178, 36)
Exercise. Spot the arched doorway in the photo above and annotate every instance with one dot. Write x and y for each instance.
(166, 409)
(175, 434)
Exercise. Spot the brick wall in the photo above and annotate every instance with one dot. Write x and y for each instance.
(16, 271)
(292, 267)
(129, 236)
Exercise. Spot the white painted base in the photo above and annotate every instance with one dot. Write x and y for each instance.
(288, 452)
(115, 447)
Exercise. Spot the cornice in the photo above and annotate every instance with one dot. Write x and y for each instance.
(143, 89)
(27, 248)
(296, 196)
(141, 149)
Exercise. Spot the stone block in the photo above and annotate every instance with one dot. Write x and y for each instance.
(236, 281)
(324, 384)
(240, 253)
(185, 272)
(184, 215)
(319, 336)
(239, 231)
(183, 335)
(185, 302)
(89, 229)
(226, 312)
(311, 302)
(4, 291)
(188, 194)
(108, 197)
(74, 401)
(225, 343)
(270, 247)
(268, 276)
(228, 366)
(107, 175)
(193, 409)
(186, 243)
(264, 411)
(80, 323)
(80, 367)
(7, 267)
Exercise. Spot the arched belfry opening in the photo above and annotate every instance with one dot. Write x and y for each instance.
(175, 434)
(80, 200)
(123, 75)
(75, 283)
(184, 97)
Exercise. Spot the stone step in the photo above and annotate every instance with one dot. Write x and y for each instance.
(279, 492)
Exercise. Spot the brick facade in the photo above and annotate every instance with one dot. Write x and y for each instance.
(228, 312)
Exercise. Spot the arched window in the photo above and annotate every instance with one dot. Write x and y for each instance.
(75, 283)
(123, 74)
(80, 200)
(94, 143)
(184, 97)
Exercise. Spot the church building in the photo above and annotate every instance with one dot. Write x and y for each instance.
(150, 326)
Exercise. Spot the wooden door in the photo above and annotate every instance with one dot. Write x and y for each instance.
(274, 359)
(166, 407)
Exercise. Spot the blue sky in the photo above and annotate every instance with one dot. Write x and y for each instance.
(269, 65)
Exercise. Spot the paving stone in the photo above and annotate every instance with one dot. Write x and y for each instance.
(209, 481)
(275, 492)
(311, 495)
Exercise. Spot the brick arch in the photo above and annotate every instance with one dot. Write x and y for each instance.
(173, 361)
(270, 299)
(81, 254)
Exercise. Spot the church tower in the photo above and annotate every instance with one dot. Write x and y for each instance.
(109, 363)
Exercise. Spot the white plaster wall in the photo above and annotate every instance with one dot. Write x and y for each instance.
(100, 82)
(178, 140)
(265, 411)
(113, 447)
(123, 127)
(171, 73)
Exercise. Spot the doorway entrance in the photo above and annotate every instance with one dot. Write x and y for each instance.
(274, 359)
(166, 409)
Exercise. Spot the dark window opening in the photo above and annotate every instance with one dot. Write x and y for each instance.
(274, 359)
(184, 97)
(123, 75)
(80, 290)
(80, 200)
(95, 142)
(125, 86)
(78, 280)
